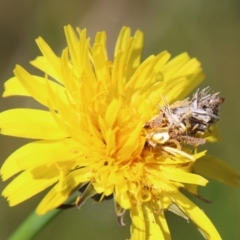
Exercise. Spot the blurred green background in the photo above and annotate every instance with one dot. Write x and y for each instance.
(208, 30)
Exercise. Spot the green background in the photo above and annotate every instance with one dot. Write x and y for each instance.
(208, 30)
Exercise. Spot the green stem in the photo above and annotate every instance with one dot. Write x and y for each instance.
(35, 223)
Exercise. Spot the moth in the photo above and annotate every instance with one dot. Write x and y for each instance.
(186, 121)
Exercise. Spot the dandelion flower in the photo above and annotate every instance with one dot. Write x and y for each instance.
(108, 130)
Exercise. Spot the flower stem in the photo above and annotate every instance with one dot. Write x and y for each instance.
(35, 223)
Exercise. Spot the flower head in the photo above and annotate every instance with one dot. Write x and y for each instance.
(109, 130)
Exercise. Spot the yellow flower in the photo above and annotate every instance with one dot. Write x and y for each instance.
(93, 135)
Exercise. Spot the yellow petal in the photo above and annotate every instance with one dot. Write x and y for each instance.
(173, 68)
(217, 169)
(39, 153)
(162, 222)
(30, 123)
(67, 184)
(122, 199)
(178, 68)
(38, 88)
(171, 91)
(112, 112)
(144, 224)
(14, 88)
(73, 43)
(154, 230)
(127, 149)
(52, 199)
(122, 40)
(135, 53)
(196, 215)
(52, 65)
(138, 230)
(29, 183)
(143, 78)
(184, 177)
(57, 195)
(41, 63)
(101, 38)
(101, 63)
